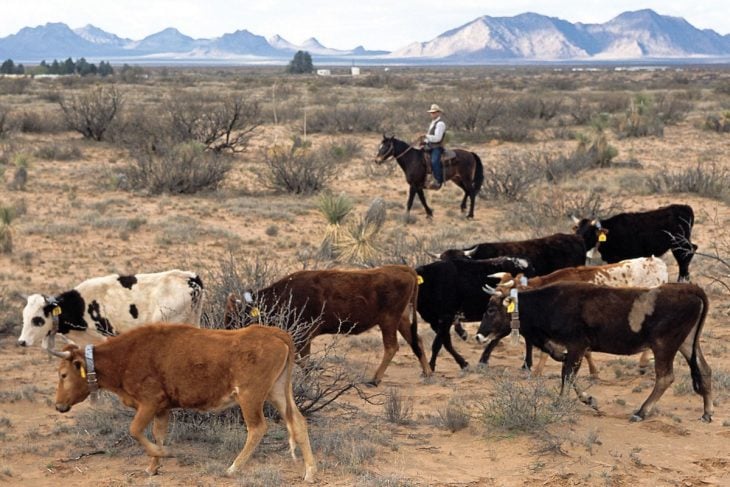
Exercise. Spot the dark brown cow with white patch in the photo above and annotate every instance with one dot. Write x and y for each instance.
(159, 367)
(620, 321)
(345, 301)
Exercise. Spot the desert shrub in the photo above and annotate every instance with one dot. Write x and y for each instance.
(475, 112)
(398, 409)
(218, 122)
(181, 169)
(454, 416)
(343, 150)
(91, 113)
(58, 152)
(526, 406)
(581, 110)
(711, 180)
(537, 107)
(641, 119)
(30, 121)
(341, 118)
(671, 107)
(19, 170)
(334, 209)
(513, 179)
(14, 86)
(358, 243)
(718, 123)
(7, 215)
(4, 126)
(613, 102)
(511, 128)
(297, 169)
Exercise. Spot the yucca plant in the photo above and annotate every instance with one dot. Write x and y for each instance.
(358, 244)
(7, 214)
(335, 209)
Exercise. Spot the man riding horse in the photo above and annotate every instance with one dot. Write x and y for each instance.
(433, 141)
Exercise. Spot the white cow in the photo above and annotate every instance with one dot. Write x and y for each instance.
(109, 305)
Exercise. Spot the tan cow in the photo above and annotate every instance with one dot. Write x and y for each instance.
(159, 367)
(640, 272)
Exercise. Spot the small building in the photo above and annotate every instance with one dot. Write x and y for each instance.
(355, 71)
(324, 72)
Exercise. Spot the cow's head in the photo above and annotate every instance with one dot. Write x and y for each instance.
(240, 312)
(453, 254)
(495, 323)
(386, 149)
(72, 386)
(38, 316)
(591, 231)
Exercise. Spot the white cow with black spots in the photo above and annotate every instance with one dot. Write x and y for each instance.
(110, 305)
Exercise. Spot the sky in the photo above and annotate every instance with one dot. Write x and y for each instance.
(344, 24)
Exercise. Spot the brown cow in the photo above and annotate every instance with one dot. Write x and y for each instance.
(346, 301)
(156, 368)
(640, 272)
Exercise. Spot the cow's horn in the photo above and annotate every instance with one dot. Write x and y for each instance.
(489, 289)
(470, 252)
(432, 255)
(498, 275)
(575, 219)
(64, 355)
(509, 283)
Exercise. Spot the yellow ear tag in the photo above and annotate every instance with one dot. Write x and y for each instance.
(83, 372)
(601, 237)
(56, 311)
(255, 312)
(511, 307)
(420, 280)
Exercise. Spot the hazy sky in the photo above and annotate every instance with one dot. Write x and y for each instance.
(376, 24)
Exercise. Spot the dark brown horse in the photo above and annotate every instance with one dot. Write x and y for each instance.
(465, 170)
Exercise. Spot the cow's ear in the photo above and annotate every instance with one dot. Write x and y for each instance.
(77, 363)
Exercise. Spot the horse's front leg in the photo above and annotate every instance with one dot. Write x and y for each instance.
(411, 195)
(422, 197)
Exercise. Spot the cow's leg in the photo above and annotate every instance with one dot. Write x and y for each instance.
(701, 375)
(282, 398)
(390, 347)
(436, 344)
(541, 361)
(591, 365)
(416, 343)
(664, 369)
(159, 432)
(459, 329)
(527, 362)
(450, 348)
(422, 198)
(145, 414)
(571, 366)
(644, 362)
(252, 408)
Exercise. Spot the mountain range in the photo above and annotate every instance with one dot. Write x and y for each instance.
(528, 37)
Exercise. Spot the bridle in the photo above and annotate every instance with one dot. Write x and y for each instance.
(391, 152)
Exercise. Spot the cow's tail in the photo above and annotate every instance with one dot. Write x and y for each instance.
(693, 367)
(415, 346)
(478, 173)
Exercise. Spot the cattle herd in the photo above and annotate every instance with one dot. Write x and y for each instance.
(537, 288)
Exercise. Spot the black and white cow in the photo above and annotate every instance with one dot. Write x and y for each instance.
(642, 234)
(565, 319)
(109, 305)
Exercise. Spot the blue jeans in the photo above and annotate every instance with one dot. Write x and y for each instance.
(436, 164)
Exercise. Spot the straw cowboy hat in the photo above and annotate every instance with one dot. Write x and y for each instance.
(435, 108)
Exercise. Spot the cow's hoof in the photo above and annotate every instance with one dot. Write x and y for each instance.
(372, 383)
(635, 418)
(706, 418)
(643, 369)
(465, 365)
(151, 471)
(231, 471)
(463, 334)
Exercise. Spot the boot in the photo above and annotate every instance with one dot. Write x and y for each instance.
(431, 183)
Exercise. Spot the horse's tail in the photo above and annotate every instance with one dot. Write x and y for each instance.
(478, 173)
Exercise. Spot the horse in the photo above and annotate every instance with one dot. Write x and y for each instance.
(465, 170)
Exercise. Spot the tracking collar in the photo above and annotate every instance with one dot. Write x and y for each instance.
(91, 372)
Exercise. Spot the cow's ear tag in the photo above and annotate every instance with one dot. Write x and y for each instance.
(511, 306)
(255, 312)
(420, 280)
(601, 237)
(56, 311)
(83, 372)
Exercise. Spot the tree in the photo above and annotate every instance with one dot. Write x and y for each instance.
(301, 63)
(105, 69)
(8, 67)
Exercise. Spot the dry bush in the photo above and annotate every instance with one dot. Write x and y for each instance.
(454, 416)
(537, 107)
(14, 86)
(344, 118)
(4, 126)
(181, 169)
(91, 113)
(513, 179)
(526, 406)
(7, 215)
(30, 121)
(511, 128)
(475, 112)
(398, 409)
(711, 180)
(671, 107)
(58, 152)
(297, 169)
(718, 123)
(641, 119)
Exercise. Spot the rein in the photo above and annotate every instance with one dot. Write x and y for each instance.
(392, 150)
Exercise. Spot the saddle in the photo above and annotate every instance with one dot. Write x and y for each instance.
(448, 157)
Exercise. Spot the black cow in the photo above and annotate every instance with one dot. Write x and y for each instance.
(454, 287)
(642, 234)
(620, 321)
(546, 254)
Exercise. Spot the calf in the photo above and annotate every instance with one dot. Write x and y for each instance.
(454, 288)
(641, 272)
(109, 305)
(344, 301)
(620, 321)
(159, 367)
(642, 234)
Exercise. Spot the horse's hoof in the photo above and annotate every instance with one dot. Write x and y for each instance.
(635, 418)
(464, 366)
(706, 418)
(372, 383)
